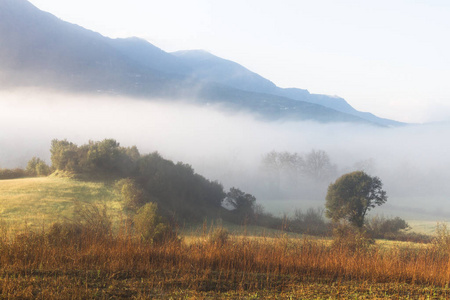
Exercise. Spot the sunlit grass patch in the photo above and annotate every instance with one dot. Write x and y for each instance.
(425, 227)
(390, 244)
(36, 202)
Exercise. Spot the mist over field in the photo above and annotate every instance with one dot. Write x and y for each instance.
(411, 161)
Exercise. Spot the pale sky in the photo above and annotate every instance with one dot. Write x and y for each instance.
(389, 57)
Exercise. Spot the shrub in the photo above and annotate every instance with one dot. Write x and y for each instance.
(381, 227)
(132, 196)
(65, 234)
(90, 224)
(311, 222)
(441, 241)
(93, 219)
(218, 237)
(12, 173)
(268, 220)
(409, 237)
(351, 238)
(150, 226)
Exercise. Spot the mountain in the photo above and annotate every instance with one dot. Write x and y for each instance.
(39, 49)
(206, 66)
(209, 67)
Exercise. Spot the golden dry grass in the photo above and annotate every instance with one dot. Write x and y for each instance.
(118, 266)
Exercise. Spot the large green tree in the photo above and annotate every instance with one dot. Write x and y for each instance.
(352, 196)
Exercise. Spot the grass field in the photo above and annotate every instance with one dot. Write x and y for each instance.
(38, 202)
(252, 263)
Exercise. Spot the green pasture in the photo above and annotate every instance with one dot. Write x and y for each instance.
(38, 202)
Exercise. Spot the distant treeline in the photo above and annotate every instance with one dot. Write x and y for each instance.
(13, 173)
(315, 165)
(35, 167)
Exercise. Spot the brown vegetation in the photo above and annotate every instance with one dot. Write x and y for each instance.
(81, 262)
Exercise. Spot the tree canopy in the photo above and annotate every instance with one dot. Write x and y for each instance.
(352, 196)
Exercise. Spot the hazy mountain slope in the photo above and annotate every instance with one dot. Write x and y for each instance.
(38, 49)
(149, 55)
(272, 107)
(204, 65)
(210, 67)
(334, 102)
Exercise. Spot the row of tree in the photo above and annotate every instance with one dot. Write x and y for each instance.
(35, 167)
(180, 193)
(315, 165)
(94, 158)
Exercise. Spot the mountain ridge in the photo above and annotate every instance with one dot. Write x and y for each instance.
(41, 49)
(258, 83)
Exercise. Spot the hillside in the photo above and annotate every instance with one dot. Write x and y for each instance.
(38, 49)
(38, 202)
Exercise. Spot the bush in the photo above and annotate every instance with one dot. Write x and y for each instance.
(150, 226)
(441, 241)
(312, 222)
(381, 227)
(65, 234)
(409, 237)
(132, 196)
(12, 173)
(268, 220)
(218, 237)
(90, 224)
(93, 219)
(351, 238)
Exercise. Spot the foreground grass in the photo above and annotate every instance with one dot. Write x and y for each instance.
(94, 286)
(119, 266)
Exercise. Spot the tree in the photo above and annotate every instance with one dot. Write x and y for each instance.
(352, 196)
(283, 167)
(318, 165)
(243, 204)
(64, 155)
(37, 167)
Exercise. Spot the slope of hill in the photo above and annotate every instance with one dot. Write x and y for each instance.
(38, 49)
(38, 202)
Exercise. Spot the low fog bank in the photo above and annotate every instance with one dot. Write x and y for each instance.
(411, 161)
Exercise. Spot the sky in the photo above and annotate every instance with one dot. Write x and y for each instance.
(389, 57)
